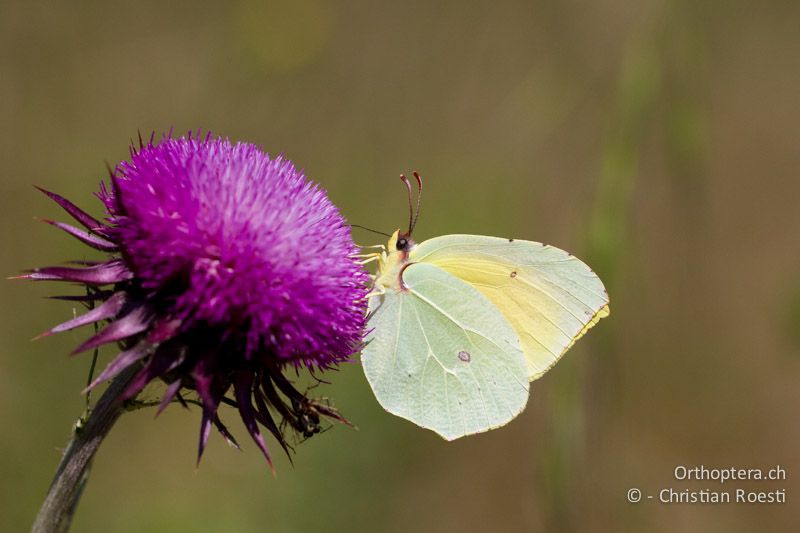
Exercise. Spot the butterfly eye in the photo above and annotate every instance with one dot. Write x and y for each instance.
(402, 243)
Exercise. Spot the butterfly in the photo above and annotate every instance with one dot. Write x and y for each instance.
(459, 325)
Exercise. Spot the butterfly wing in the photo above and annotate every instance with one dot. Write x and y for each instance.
(549, 297)
(442, 356)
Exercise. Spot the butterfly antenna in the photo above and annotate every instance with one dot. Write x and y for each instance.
(370, 229)
(419, 201)
(404, 179)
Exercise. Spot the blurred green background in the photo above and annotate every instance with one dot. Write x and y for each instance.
(659, 141)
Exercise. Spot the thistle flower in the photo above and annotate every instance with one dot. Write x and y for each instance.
(226, 267)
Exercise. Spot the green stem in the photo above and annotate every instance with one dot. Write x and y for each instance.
(55, 515)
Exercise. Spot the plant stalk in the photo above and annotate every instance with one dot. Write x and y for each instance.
(58, 508)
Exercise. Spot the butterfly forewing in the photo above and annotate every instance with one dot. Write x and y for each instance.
(549, 297)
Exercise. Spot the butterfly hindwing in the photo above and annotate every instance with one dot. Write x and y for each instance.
(441, 355)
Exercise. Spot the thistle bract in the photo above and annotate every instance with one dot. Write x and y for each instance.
(226, 267)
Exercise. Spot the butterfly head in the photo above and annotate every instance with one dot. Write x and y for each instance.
(394, 260)
(401, 242)
(400, 245)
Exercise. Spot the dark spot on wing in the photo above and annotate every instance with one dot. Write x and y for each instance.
(513, 273)
(510, 240)
(464, 356)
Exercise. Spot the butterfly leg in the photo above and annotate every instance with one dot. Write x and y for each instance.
(368, 258)
(376, 291)
(380, 247)
(375, 257)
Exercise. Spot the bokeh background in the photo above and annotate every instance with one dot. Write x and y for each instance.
(659, 141)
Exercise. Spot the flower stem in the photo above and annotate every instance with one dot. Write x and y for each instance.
(59, 506)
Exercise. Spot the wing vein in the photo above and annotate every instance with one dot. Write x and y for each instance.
(451, 318)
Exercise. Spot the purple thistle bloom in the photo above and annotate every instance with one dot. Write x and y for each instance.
(227, 266)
